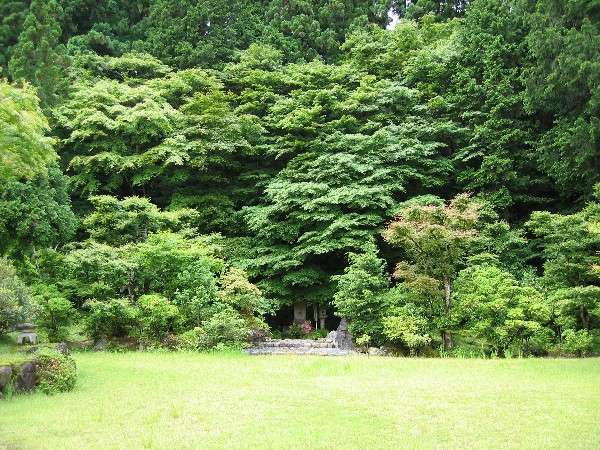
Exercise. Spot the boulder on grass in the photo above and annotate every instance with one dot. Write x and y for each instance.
(342, 338)
(27, 377)
(5, 376)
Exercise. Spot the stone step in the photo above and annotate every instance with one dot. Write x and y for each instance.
(296, 343)
(298, 351)
(322, 347)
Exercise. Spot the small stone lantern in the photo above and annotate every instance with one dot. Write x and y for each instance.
(27, 334)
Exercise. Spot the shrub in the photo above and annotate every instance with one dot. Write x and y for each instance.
(226, 327)
(15, 301)
(240, 294)
(56, 372)
(317, 334)
(196, 293)
(360, 293)
(306, 327)
(407, 328)
(190, 340)
(294, 331)
(54, 313)
(363, 341)
(112, 318)
(157, 317)
(577, 342)
(500, 311)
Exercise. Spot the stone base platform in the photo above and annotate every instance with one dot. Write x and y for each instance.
(321, 347)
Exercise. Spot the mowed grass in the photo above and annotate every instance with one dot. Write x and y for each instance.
(183, 400)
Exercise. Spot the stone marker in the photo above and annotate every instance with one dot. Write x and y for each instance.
(27, 334)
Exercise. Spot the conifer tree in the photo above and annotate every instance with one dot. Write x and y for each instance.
(38, 56)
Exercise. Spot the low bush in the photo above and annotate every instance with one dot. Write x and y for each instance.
(317, 334)
(294, 331)
(577, 342)
(56, 372)
(408, 329)
(15, 301)
(189, 340)
(112, 318)
(157, 316)
(227, 327)
(53, 312)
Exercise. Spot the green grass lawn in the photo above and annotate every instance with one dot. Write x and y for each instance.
(182, 400)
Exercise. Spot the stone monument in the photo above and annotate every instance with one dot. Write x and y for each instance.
(27, 334)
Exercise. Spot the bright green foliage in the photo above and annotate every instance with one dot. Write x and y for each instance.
(112, 318)
(435, 239)
(56, 372)
(35, 213)
(359, 296)
(569, 247)
(577, 342)
(237, 292)
(117, 222)
(157, 265)
(53, 312)
(407, 328)
(577, 307)
(169, 134)
(157, 317)
(172, 283)
(38, 57)
(25, 148)
(501, 313)
(15, 299)
(563, 89)
(363, 341)
(227, 328)
(351, 147)
(196, 293)
(421, 53)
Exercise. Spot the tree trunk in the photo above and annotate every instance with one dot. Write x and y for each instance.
(447, 334)
(447, 337)
(584, 317)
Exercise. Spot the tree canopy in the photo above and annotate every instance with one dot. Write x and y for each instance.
(426, 169)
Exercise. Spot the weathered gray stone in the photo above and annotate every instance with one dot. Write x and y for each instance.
(27, 337)
(63, 348)
(101, 344)
(342, 338)
(24, 327)
(258, 335)
(375, 351)
(299, 312)
(27, 377)
(320, 347)
(5, 376)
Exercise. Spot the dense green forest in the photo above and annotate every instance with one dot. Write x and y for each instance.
(182, 172)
